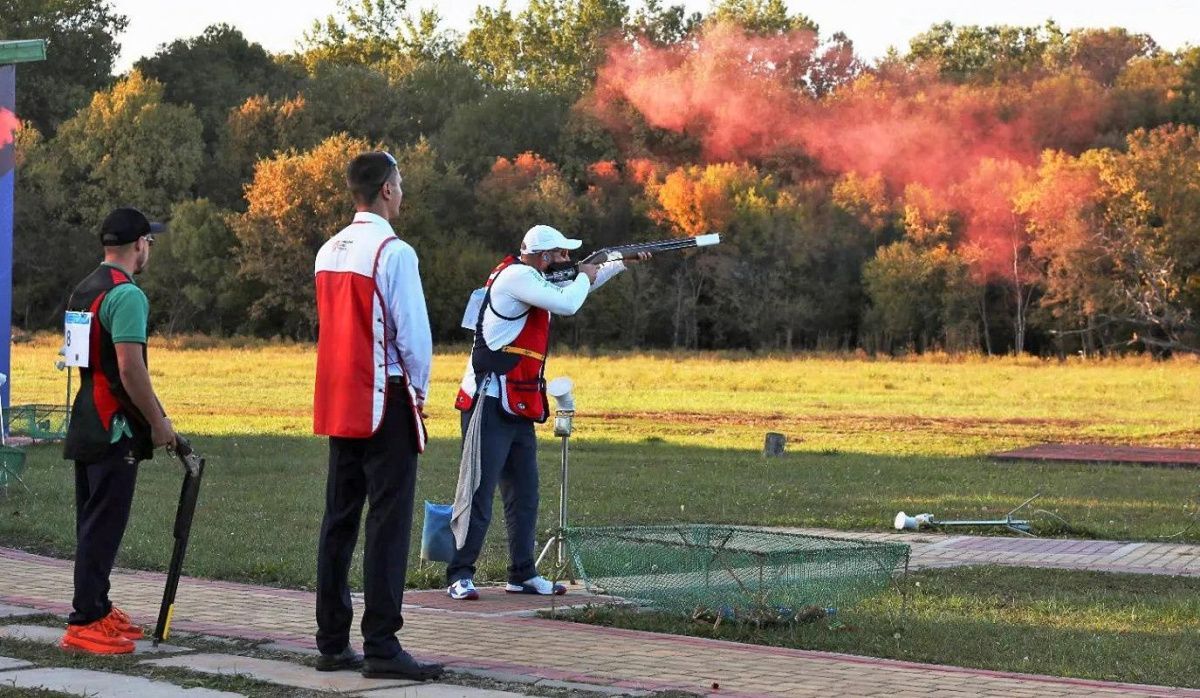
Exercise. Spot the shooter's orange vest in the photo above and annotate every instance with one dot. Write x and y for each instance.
(520, 365)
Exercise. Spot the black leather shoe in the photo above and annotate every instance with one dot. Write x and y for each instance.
(402, 666)
(346, 659)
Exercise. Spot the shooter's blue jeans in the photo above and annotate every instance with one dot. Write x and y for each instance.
(508, 457)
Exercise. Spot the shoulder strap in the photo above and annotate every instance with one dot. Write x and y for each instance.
(487, 303)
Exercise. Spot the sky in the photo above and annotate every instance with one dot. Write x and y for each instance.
(873, 25)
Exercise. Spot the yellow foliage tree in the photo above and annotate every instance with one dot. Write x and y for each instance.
(129, 148)
(295, 202)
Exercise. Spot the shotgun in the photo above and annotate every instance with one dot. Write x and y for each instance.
(193, 470)
(567, 271)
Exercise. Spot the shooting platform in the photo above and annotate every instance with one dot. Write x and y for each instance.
(1101, 453)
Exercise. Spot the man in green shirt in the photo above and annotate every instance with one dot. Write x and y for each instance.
(116, 422)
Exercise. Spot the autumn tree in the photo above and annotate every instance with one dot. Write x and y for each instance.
(1103, 54)
(1152, 224)
(295, 202)
(1063, 208)
(520, 193)
(257, 129)
(1145, 93)
(129, 146)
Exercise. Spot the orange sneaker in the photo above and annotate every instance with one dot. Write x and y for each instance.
(121, 621)
(97, 637)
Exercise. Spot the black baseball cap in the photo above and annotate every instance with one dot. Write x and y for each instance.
(125, 225)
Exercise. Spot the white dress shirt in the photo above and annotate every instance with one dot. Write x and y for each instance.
(410, 342)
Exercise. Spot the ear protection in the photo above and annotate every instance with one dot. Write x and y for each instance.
(545, 256)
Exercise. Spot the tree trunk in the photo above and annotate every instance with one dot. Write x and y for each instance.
(677, 321)
(987, 335)
(1019, 318)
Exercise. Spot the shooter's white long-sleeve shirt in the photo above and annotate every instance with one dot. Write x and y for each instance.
(520, 287)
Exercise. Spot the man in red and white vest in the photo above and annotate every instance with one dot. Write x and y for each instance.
(374, 352)
(504, 387)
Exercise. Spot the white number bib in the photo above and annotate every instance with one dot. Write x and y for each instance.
(78, 338)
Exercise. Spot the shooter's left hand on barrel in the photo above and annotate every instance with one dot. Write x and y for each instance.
(590, 271)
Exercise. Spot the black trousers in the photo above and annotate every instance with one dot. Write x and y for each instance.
(103, 497)
(381, 470)
(508, 458)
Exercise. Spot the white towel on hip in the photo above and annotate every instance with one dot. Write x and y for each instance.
(469, 467)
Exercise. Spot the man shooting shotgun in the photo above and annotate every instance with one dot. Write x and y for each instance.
(503, 393)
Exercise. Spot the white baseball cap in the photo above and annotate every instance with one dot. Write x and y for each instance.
(542, 237)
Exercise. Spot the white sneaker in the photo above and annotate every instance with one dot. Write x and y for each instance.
(463, 590)
(536, 585)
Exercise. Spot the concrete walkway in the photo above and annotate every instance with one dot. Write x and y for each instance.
(501, 629)
(942, 550)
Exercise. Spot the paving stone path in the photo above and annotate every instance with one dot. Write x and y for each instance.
(102, 684)
(499, 637)
(943, 550)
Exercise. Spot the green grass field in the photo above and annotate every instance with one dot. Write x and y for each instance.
(1112, 627)
(658, 439)
(665, 438)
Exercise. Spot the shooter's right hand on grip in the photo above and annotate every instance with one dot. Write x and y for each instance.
(163, 433)
(182, 446)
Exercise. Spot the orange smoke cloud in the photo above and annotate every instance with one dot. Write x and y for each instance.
(746, 97)
(728, 89)
(9, 124)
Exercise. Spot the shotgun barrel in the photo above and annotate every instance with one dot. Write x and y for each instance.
(193, 471)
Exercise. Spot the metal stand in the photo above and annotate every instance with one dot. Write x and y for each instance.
(61, 365)
(904, 521)
(1015, 525)
(562, 427)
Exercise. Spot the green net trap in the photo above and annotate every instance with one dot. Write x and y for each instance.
(731, 571)
(12, 466)
(39, 422)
